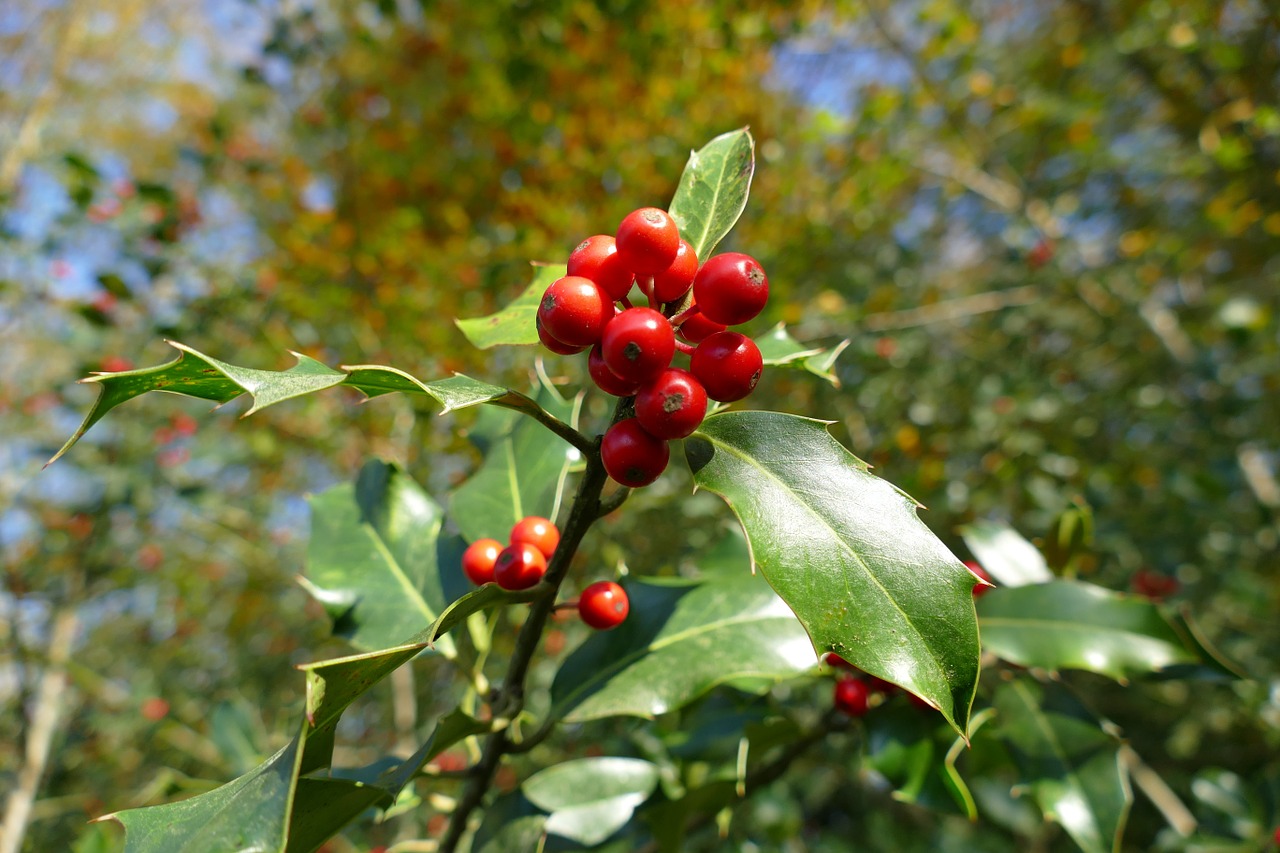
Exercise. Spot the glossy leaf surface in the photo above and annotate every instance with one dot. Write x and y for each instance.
(713, 190)
(779, 349)
(589, 799)
(515, 323)
(1071, 766)
(681, 640)
(1006, 554)
(847, 552)
(1075, 625)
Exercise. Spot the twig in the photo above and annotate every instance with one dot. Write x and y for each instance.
(44, 724)
(1160, 794)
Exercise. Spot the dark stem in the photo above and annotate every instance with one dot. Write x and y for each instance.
(520, 403)
(510, 697)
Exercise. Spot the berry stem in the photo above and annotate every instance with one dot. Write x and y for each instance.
(646, 287)
(521, 403)
(685, 315)
(510, 696)
(687, 349)
(626, 302)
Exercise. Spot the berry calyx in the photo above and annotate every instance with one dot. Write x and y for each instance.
(674, 282)
(647, 240)
(538, 532)
(479, 559)
(552, 344)
(606, 380)
(597, 258)
(519, 566)
(604, 605)
(731, 288)
(632, 456)
(728, 365)
(979, 589)
(672, 405)
(638, 344)
(574, 311)
(851, 696)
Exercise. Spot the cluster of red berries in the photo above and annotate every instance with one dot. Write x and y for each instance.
(523, 562)
(632, 347)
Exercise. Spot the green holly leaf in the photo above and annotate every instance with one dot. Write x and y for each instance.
(194, 374)
(272, 807)
(681, 640)
(779, 349)
(1076, 625)
(1006, 554)
(590, 799)
(522, 474)
(375, 557)
(487, 597)
(847, 552)
(1070, 765)
(514, 324)
(713, 190)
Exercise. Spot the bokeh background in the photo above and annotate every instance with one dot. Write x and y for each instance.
(1051, 231)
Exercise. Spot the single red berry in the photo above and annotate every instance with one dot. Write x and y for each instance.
(920, 703)
(979, 589)
(632, 456)
(838, 662)
(647, 240)
(603, 605)
(606, 380)
(638, 344)
(1153, 585)
(674, 282)
(519, 566)
(478, 560)
(697, 328)
(597, 258)
(851, 696)
(731, 288)
(728, 365)
(552, 344)
(672, 405)
(538, 532)
(574, 311)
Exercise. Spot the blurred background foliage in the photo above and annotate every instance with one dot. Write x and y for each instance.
(1050, 229)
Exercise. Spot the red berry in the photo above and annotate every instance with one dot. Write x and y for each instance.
(552, 344)
(728, 365)
(538, 532)
(838, 662)
(478, 560)
(851, 696)
(519, 566)
(731, 288)
(597, 258)
(648, 241)
(603, 605)
(638, 344)
(674, 282)
(697, 328)
(631, 456)
(606, 380)
(979, 589)
(574, 311)
(672, 405)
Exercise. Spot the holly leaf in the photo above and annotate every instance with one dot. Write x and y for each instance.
(681, 640)
(847, 553)
(713, 190)
(1006, 554)
(1076, 625)
(514, 324)
(1069, 764)
(590, 799)
(272, 807)
(779, 349)
(194, 374)
(375, 557)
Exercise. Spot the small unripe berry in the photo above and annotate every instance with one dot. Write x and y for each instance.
(479, 559)
(519, 566)
(603, 605)
(538, 532)
(728, 365)
(672, 405)
(731, 288)
(647, 240)
(638, 344)
(632, 456)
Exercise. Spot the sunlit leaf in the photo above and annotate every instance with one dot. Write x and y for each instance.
(1002, 551)
(515, 323)
(590, 799)
(847, 552)
(713, 190)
